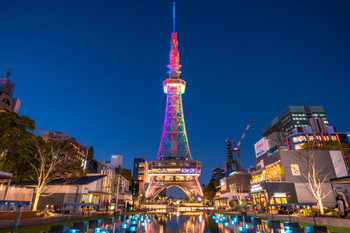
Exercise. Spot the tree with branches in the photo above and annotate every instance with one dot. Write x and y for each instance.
(49, 160)
(315, 172)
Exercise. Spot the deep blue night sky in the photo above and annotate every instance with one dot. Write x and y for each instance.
(95, 69)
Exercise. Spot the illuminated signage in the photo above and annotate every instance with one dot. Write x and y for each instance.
(280, 195)
(260, 147)
(295, 169)
(256, 188)
(188, 170)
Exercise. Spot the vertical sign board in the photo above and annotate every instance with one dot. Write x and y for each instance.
(260, 147)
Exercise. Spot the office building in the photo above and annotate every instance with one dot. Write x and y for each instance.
(7, 88)
(115, 163)
(139, 169)
(84, 153)
(294, 117)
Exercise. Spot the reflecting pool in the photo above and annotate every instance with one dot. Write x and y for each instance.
(195, 222)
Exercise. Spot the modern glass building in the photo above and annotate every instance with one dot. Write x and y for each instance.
(294, 117)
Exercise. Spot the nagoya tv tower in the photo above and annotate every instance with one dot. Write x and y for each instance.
(174, 143)
(174, 165)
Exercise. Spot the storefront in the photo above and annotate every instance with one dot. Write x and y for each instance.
(272, 193)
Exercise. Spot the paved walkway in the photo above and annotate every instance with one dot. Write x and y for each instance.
(5, 224)
(331, 221)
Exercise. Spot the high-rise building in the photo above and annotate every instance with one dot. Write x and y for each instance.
(7, 87)
(84, 153)
(293, 117)
(139, 169)
(115, 163)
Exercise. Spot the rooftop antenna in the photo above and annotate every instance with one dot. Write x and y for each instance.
(173, 16)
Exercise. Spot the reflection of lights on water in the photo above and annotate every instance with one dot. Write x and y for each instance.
(200, 218)
(177, 213)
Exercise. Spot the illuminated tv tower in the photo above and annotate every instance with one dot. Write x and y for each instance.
(174, 165)
(174, 143)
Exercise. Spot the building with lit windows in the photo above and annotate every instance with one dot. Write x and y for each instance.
(293, 117)
(280, 178)
(84, 153)
(139, 169)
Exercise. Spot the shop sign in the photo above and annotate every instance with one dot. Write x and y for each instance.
(295, 169)
(256, 188)
(280, 195)
(260, 147)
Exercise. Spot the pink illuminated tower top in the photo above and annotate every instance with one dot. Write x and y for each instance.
(174, 64)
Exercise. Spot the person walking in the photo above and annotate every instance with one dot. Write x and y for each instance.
(107, 204)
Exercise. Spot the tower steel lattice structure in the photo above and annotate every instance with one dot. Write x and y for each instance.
(174, 165)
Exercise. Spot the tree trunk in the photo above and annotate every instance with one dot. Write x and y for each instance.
(36, 200)
(320, 203)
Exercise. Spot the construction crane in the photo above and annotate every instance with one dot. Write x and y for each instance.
(236, 146)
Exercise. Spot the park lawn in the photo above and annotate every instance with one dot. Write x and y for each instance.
(303, 224)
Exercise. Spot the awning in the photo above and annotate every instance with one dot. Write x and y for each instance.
(5, 175)
(98, 192)
(341, 180)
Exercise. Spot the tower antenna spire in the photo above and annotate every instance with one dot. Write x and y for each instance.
(173, 16)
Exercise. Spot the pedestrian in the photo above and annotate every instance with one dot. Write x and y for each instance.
(341, 207)
(107, 204)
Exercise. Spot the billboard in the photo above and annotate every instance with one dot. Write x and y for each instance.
(260, 147)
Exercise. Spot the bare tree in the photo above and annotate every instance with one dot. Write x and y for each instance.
(315, 172)
(50, 159)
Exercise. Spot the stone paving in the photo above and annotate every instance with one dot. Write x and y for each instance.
(331, 221)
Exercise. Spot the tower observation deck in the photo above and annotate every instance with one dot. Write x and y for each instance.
(174, 165)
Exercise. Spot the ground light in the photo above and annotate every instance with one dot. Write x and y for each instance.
(133, 228)
(240, 228)
(127, 221)
(98, 230)
(74, 231)
(148, 220)
(247, 226)
(134, 222)
(232, 222)
(125, 226)
(226, 224)
(143, 224)
(216, 221)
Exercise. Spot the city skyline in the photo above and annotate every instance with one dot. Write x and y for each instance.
(100, 78)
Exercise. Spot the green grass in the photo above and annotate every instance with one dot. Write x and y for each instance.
(303, 224)
(46, 227)
(135, 212)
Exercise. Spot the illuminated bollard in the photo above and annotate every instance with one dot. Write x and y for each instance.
(125, 226)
